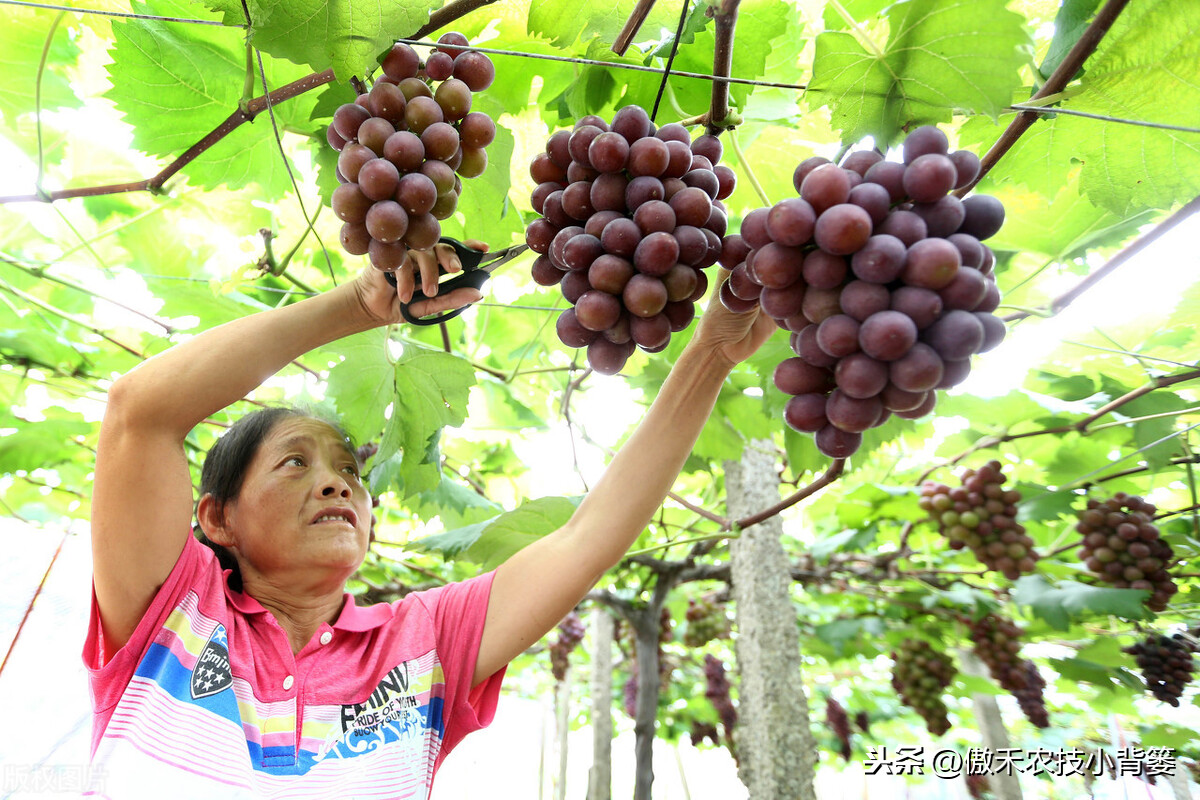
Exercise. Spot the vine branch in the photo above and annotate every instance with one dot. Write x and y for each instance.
(632, 26)
(726, 22)
(1057, 81)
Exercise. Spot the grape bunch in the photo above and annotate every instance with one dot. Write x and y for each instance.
(401, 144)
(977, 785)
(706, 620)
(839, 722)
(717, 691)
(704, 730)
(998, 645)
(883, 280)
(1166, 663)
(570, 634)
(1121, 545)
(919, 675)
(863, 720)
(630, 217)
(981, 514)
(1030, 698)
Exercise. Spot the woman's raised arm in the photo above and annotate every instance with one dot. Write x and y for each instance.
(142, 492)
(537, 586)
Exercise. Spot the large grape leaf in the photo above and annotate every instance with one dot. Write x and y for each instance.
(349, 37)
(941, 56)
(176, 83)
(22, 38)
(1147, 68)
(1058, 604)
(565, 21)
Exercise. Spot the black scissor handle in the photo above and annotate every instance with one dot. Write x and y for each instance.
(471, 276)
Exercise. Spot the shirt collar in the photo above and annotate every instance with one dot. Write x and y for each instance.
(354, 618)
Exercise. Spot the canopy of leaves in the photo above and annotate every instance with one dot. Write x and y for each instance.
(476, 455)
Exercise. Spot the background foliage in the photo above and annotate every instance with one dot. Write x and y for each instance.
(489, 436)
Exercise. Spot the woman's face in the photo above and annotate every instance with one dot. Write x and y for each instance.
(302, 505)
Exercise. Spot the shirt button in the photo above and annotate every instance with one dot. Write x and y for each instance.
(326, 637)
(288, 681)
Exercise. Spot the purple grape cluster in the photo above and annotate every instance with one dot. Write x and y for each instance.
(998, 645)
(631, 215)
(882, 277)
(982, 515)
(717, 691)
(570, 634)
(1030, 697)
(1166, 663)
(919, 675)
(1121, 545)
(401, 144)
(839, 722)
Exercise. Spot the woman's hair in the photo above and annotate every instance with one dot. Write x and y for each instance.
(225, 466)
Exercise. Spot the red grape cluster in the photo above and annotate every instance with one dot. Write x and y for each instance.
(630, 217)
(919, 675)
(863, 720)
(1166, 663)
(839, 722)
(401, 144)
(706, 620)
(1121, 545)
(977, 785)
(704, 730)
(717, 691)
(1030, 697)
(998, 644)
(981, 514)
(570, 634)
(882, 278)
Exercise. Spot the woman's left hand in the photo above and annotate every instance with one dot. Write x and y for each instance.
(735, 336)
(381, 302)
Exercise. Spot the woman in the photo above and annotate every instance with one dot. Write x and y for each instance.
(281, 686)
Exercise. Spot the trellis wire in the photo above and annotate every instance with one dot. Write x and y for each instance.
(612, 64)
(122, 14)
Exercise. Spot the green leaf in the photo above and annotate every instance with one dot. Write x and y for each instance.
(1128, 167)
(44, 445)
(40, 349)
(452, 542)
(349, 37)
(1080, 669)
(363, 385)
(1058, 604)
(22, 38)
(565, 21)
(841, 632)
(511, 531)
(1069, 25)
(937, 59)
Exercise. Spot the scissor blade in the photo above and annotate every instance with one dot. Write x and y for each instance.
(502, 257)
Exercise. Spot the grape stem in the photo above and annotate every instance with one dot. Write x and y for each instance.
(726, 22)
(750, 176)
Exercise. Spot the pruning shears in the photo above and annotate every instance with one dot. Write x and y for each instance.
(477, 267)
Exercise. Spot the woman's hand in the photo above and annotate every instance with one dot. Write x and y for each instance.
(381, 301)
(734, 336)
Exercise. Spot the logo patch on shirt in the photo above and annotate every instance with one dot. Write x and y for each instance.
(211, 673)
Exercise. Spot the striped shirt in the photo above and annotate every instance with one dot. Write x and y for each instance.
(208, 700)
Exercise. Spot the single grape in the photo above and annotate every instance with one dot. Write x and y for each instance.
(644, 295)
(905, 226)
(571, 333)
(887, 335)
(597, 311)
(454, 98)
(420, 113)
(919, 370)
(785, 302)
(967, 166)
(348, 118)
(610, 273)
(386, 256)
(580, 251)
(387, 221)
(984, 216)
(890, 176)
(378, 178)
(872, 198)
(691, 205)
(790, 222)
(423, 231)
(451, 43)
(824, 187)
(861, 160)
(643, 189)
(956, 336)
(440, 141)
(656, 216)
(621, 237)
(385, 100)
(923, 306)
(860, 376)
(805, 167)
(475, 70)
(544, 272)
(925, 140)
(836, 443)
(860, 299)
(631, 122)
(838, 335)
(401, 62)
(880, 260)
(650, 333)
(777, 266)
(648, 156)
(416, 193)
(942, 217)
(931, 264)
(356, 239)
(842, 229)
(439, 66)
(806, 413)
(656, 253)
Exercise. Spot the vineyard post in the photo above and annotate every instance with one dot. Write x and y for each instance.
(775, 744)
(600, 774)
(562, 727)
(1003, 784)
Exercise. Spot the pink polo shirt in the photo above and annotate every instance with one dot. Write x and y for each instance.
(207, 700)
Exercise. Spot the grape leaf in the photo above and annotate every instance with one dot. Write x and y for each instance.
(515, 529)
(349, 37)
(44, 445)
(1058, 603)
(566, 21)
(1127, 167)
(22, 38)
(938, 58)
(1070, 23)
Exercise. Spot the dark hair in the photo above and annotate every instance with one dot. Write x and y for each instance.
(225, 466)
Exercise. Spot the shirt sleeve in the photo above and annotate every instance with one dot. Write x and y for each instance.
(108, 680)
(458, 612)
